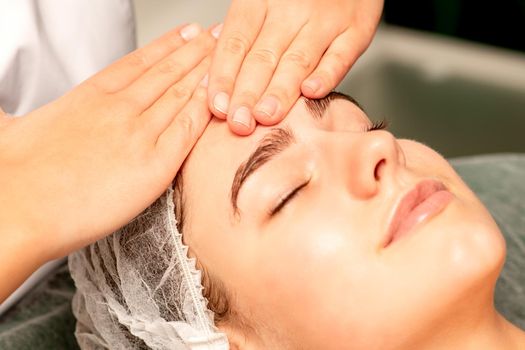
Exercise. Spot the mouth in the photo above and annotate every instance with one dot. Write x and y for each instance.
(426, 200)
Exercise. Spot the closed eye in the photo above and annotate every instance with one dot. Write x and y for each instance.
(286, 199)
(377, 125)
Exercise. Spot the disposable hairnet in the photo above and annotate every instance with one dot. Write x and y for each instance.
(137, 289)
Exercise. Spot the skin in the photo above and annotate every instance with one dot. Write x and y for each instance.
(117, 133)
(128, 129)
(80, 167)
(315, 275)
(272, 51)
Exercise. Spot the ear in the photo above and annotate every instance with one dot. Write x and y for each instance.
(240, 339)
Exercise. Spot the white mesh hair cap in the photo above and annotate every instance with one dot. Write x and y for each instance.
(137, 289)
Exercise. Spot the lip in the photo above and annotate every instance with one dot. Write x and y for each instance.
(427, 199)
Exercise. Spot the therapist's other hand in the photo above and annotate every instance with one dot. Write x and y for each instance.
(86, 164)
(271, 51)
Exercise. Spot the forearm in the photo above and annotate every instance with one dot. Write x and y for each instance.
(25, 242)
(20, 256)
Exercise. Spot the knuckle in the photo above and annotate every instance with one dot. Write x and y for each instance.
(282, 94)
(201, 94)
(97, 86)
(299, 58)
(204, 43)
(339, 60)
(169, 65)
(366, 30)
(236, 44)
(180, 91)
(335, 68)
(137, 59)
(186, 126)
(265, 56)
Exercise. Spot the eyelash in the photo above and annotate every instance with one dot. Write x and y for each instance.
(376, 125)
(285, 199)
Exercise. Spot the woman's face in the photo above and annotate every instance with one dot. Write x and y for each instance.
(307, 253)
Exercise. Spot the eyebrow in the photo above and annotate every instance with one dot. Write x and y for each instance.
(317, 107)
(277, 140)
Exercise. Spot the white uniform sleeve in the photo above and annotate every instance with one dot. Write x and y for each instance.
(49, 46)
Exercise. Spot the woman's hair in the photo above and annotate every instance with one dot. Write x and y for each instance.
(219, 299)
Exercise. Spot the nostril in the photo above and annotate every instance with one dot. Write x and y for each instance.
(377, 170)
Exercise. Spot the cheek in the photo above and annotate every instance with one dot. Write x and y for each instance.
(316, 270)
(309, 253)
(471, 249)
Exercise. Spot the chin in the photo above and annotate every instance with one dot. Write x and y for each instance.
(476, 250)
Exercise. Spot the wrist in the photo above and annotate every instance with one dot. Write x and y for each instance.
(20, 256)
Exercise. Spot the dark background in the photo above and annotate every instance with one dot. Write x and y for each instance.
(456, 114)
(500, 23)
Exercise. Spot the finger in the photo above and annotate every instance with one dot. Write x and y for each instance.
(160, 115)
(241, 27)
(151, 85)
(295, 65)
(259, 66)
(128, 68)
(175, 143)
(335, 63)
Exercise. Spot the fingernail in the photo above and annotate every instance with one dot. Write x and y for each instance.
(190, 31)
(204, 81)
(243, 116)
(268, 106)
(221, 102)
(313, 84)
(216, 32)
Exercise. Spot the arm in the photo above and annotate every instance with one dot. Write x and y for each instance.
(84, 165)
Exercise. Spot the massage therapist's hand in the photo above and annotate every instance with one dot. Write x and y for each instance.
(84, 165)
(271, 51)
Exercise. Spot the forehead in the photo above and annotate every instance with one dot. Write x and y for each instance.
(211, 165)
(219, 146)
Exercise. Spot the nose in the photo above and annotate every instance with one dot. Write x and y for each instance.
(373, 159)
